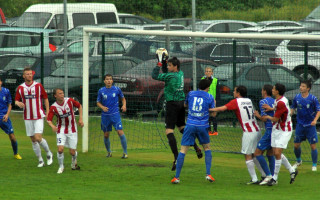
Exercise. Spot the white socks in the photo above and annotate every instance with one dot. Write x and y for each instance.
(45, 146)
(74, 159)
(277, 169)
(251, 170)
(60, 159)
(286, 163)
(37, 150)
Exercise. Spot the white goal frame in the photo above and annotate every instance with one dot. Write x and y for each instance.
(86, 31)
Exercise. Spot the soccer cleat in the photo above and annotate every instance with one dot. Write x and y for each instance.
(293, 176)
(49, 159)
(175, 180)
(210, 178)
(109, 155)
(314, 168)
(297, 164)
(124, 156)
(76, 167)
(210, 132)
(199, 153)
(272, 182)
(265, 180)
(41, 164)
(60, 170)
(17, 156)
(253, 182)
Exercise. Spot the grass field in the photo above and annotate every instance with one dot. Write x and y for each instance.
(145, 175)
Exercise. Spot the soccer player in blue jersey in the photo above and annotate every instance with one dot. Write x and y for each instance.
(265, 141)
(198, 103)
(5, 123)
(108, 101)
(308, 112)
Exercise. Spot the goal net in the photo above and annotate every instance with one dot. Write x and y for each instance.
(252, 60)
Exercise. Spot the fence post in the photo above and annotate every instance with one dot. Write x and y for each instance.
(234, 69)
(103, 58)
(305, 75)
(42, 58)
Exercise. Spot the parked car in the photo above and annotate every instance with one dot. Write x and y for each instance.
(253, 76)
(50, 16)
(12, 65)
(221, 26)
(273, 29)
(144, 48)
(292, 54)
(222, 53)
(113, 65)
(125, 18)
(311, 24)
(182, 21)
(146, 94)
(113, 46)
(27, 40)
(273, 23)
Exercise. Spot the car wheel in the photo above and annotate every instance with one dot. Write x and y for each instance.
(312, 75)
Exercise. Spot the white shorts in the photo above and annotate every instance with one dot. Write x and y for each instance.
(280, 139)
(69, 140)
(34, 126)
(249, 142)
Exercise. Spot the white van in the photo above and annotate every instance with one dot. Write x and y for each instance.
(50, 16)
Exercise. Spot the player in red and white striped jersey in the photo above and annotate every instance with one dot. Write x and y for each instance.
(244, 111)
(66, 127)
(281, 133)
(30, 96)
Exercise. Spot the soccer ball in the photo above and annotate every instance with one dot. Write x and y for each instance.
(162, 54)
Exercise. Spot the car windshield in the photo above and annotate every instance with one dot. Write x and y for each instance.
(143, 69)
(19, 63)
(226, 72)
(33, 19)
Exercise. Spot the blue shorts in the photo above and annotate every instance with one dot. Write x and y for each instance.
(265, 141)
(192, 132)
(302, 133)
(107, 121)
(6, 126)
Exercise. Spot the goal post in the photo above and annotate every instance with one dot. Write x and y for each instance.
(87, 30)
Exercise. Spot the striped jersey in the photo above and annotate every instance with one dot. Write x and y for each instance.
(32, 96)
(66, 122)
(243, 109)
(283, 113)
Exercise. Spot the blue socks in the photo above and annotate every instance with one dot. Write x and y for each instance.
(297, 152)
(208, 159)
(14, 147)
(314, 156)
(263, 164)
(272, 163)
(180, 161)
(124, 143)
(107, 144)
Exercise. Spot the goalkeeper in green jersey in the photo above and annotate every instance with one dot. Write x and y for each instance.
(174, 96)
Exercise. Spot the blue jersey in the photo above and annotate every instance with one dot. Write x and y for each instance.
(109, 97)
(5, 99)
(199, 103)
(307, 108)
(270, 102)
